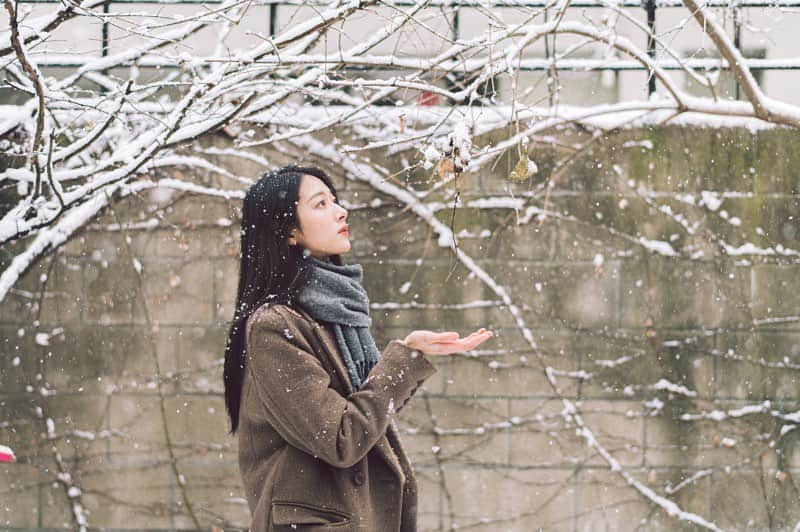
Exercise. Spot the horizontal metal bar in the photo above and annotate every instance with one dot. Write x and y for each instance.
(470, 3)
(531, 64)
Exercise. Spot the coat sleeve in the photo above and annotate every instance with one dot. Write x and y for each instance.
(301, 406)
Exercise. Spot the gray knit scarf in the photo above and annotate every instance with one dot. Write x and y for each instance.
(335, 294)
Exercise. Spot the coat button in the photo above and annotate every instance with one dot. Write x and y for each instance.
(358, 478)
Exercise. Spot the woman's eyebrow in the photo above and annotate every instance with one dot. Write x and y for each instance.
(317, 194)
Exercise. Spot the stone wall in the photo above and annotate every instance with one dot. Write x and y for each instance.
(683, 368)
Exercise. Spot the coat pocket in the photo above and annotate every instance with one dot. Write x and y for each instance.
(302, 513)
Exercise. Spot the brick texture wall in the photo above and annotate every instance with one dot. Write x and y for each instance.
(683, 368)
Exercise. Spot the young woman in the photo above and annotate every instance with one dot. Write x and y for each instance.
(306, 388)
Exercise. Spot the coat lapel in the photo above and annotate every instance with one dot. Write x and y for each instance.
(333, 356)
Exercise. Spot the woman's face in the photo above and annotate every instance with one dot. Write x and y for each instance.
(321, 219)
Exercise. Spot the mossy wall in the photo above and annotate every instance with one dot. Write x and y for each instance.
(684, 366)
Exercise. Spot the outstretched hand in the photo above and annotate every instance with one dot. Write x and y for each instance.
(446, 343)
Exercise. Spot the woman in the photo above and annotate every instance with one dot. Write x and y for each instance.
(306, 388)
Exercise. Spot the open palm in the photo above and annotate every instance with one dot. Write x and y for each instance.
(446, 343)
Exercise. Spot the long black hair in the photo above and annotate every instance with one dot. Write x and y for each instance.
(271, 270)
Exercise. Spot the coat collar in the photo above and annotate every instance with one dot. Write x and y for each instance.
(398, 461)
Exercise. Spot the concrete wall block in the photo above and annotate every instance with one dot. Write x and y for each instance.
(780, 351)
(618, 427)
(635, 366)
(415, 417)
(177, 292)
(580, 298)
(416, 432)
(532, 499)
(735, 504)
(420, 447)
(55, 507)
(610, 217)
(96, 358)
(205, 242)
(775, 296)
(557, 296)
(542, 439)
(788, 445)
(199, 352)
(18, 355)
(428, 498)
(20, 305)
(539, 437)
(226, 286)
(78, 423)
(386, 232)
(183, 412)
(22, 428)
(111, 290)
(607, 502)
(497, 234)
(109, 246)
(527, 369)
(693, 496)
(779, 163)
(733, 441)
(506, 375)
(63, 299)
(467, 431)
(20, 508)
(487, 448)
(464, 321)
(142, 501)
(690, 159)
(192, 209)
(215, 491)
(583, 242)
(736, 220)
(138, 419)
(426, 284)
(758, 366)
(676, 294)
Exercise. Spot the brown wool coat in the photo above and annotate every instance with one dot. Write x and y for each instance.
(315, 455)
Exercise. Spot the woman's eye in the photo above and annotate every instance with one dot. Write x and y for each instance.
(320, 203)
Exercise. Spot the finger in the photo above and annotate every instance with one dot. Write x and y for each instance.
(466, 343)
(479, 340)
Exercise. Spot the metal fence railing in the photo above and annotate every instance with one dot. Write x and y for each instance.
(650, 8)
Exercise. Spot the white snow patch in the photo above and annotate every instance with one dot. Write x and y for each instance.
(658, 246)
(710, 199)
(664, 384)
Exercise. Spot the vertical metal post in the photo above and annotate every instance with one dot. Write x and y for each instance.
(455, 23)
(650, 6)
(456, 78)
(737, 37)
(550, 98)
(273, 19)
(104, 40)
